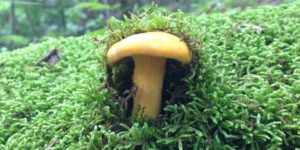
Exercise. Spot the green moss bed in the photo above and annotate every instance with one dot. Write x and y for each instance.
(243, 91)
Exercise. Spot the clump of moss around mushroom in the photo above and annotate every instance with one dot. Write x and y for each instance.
(148, 56)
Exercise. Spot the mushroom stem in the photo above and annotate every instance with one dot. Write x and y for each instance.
(148, 78)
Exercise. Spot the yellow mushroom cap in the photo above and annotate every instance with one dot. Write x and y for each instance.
(159, 44)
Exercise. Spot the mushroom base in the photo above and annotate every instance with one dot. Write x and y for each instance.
(148, 79)
(174, 88)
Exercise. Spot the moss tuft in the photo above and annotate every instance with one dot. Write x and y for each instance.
(152, 19)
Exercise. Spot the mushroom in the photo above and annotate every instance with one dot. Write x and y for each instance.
(149, 52)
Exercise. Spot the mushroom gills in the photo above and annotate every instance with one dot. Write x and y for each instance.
(148, 78)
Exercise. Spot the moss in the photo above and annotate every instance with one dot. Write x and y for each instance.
(50, 106)
(243, 92)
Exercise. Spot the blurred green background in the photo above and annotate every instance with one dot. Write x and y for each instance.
(29, 21)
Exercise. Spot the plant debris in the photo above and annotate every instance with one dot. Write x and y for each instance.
(51, 58)
(253, 27)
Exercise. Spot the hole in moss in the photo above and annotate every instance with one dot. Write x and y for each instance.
(269, 40)
(174, 86)
(285, 67)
